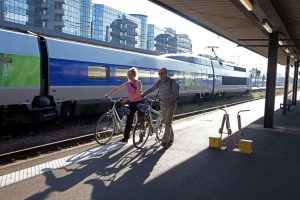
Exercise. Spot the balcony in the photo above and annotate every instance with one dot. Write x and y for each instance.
(61, 1)
(58, 23)
(44, 17)
(59, 11)
(44, 5)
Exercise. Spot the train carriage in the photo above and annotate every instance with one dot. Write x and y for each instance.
(43, 77)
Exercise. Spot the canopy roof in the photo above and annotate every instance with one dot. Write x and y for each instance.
(230, 19)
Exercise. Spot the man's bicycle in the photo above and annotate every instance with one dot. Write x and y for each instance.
(149, 123)
(111, 123)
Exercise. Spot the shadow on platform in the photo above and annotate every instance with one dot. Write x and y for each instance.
(271, 172)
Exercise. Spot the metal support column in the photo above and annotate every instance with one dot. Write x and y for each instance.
(295, 85)
(286, 84)
(271, 80)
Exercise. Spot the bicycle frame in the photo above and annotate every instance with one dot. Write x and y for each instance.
(116, 118)
(158, 121)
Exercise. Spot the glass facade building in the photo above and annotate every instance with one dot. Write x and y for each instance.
(166, 42)
(114, 26)
(46, 14)
(77, 17)
(152, 32)
(184, 43)
(143, 28)
(96, 21)
(14, 11)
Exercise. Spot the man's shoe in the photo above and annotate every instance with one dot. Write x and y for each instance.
(170, 142)
(165, 145)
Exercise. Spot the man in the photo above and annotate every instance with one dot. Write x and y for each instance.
(168, 92)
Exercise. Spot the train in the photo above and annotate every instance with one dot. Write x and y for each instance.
(43, 77)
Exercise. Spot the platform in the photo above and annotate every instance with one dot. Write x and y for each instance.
(187, 170)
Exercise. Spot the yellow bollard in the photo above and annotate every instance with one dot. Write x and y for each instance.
(245, 146)
(214, 142)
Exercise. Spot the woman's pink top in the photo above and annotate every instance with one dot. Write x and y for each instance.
(132, 91)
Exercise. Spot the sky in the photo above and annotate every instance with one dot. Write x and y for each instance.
(201, 38)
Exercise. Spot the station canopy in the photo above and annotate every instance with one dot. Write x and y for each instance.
(246, 22)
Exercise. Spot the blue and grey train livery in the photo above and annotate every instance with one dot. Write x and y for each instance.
(42, 77)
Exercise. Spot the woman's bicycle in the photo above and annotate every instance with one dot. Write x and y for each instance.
(149, 123)
(111, 123)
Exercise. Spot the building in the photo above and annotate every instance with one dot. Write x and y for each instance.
(167, 43)
(161, 40)
(46, 14)
(67, 16)
(123, 31)
(14, 11)
(2, 10)
(96, 21)
(184, 43)
(152, 32)
(111, 25)
(77, 17)
(143, 34)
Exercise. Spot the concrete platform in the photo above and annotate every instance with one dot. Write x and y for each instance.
(187, 170)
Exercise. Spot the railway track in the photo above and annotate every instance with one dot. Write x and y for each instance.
(55, 146)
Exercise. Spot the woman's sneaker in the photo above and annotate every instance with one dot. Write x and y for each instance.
(142, 135)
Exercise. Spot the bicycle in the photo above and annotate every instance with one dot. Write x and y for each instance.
(149, 123)
(110, 123)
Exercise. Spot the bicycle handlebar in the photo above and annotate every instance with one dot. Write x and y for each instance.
(151, 100)
(114, 100)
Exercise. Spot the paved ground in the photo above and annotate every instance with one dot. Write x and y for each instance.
(188, 170)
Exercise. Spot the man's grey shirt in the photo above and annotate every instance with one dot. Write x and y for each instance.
(167, 93)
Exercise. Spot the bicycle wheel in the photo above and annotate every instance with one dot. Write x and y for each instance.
(135, 121)
(104, 129)
(160, 131)
(141, 132)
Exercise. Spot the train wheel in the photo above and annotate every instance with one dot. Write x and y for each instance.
(104, 129)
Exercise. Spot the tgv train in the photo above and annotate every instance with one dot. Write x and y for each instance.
(42, 77)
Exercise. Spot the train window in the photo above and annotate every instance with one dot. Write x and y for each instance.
(191, 60)
(180, 76)
(228, 80)
(98, 72)
(197, 76)
(204, 75)
(193, 77)
(197, 61)
(208, 62)
(172, 74)
(241, 69)
(203, 62)
(154, 74)
(144, 75)
(188, 79)
(182, 58)
(121, 74)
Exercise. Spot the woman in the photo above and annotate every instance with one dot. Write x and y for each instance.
(134, 88)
